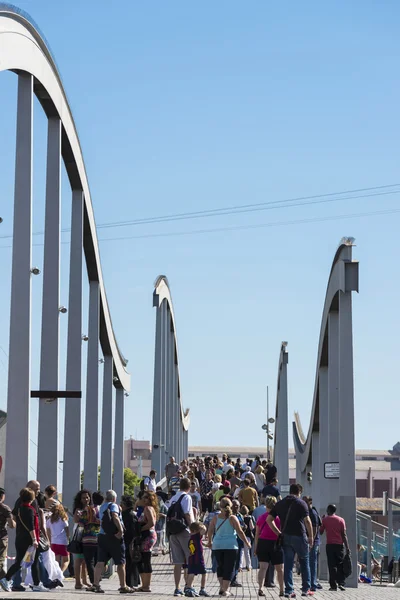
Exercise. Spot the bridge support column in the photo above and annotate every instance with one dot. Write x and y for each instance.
(347, 481)
(47, 470)
(333, 403)
(173, 408)
(19, 372)
(164, 388)
(157, 397)
(176, 415)
(119, 442)
(281, 439)
(323, 449)
(106, 425)
(91, 463)
(170, 392)
(73, 406)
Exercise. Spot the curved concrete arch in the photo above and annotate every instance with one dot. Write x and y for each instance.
(170, 420)
(162, 292)
(343, 278)
(23, 49)
(281, 437)
(325, 456)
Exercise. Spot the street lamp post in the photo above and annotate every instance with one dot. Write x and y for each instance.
(265, 427)
(268, 450)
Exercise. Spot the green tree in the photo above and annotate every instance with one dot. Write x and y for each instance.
(131, 480)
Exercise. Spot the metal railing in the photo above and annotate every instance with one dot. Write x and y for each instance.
(393, 525)
(381, 540)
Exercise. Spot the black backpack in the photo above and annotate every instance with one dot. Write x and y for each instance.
(107, 522)
(175, 520)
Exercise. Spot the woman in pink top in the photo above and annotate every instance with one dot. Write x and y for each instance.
(265, 550)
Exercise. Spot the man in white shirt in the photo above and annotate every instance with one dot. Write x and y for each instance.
(150, 484)
(179, 542)
(228, 466)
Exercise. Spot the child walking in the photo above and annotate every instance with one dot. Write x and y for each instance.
(196, 564)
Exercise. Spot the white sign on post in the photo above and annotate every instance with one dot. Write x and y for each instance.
(285, 489)
(331, 470)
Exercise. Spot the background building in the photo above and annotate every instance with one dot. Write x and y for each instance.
(137, 456)
(377, 471)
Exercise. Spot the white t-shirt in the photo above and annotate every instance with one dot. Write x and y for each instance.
(186, 503)
(227, 468)
(151, 484)
(58, 533)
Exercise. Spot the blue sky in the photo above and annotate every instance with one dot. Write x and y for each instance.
(190, 106)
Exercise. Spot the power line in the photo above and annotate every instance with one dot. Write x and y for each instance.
(271, 205)
(242, 227)
(255, 207)
(257, 226)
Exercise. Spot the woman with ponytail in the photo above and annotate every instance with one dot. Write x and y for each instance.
(223, 539)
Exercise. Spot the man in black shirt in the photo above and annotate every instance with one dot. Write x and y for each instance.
(270, 472)
(6, 520)
(271, 489)
(296, 527)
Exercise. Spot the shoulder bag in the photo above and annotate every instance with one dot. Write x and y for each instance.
(75, 546)
(279, 541)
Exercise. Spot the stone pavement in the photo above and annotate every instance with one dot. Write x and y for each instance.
(163, 587)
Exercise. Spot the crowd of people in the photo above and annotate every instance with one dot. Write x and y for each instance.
(248, 524)
(233, 508)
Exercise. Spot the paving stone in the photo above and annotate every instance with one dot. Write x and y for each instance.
(163, 587)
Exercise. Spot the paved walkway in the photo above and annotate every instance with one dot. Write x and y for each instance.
(163, 587)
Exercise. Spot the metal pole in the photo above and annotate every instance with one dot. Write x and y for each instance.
(19, 368)
(390, 531)
(119, 442)
(106, 425)
(73, 406)
(91, 463)
(268, 452)
(369, 546)
(47, 470)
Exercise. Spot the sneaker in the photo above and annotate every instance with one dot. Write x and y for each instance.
(319, 586)
(292, 595)
(6, 585)
(58, 583)
(204, 592)
(18, 588)
(342, 588)
(190, 593)
(236, 584)
(178, 592)
(40, 588)
(309, 593)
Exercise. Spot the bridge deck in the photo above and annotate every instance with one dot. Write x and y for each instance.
(163, 587)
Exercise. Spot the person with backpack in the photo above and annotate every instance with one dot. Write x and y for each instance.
(111, 543)
(148, 484)
(179, 518)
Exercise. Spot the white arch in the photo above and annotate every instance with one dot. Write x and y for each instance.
(161, 293)
(22, 48)
(343, 278)
(325, 457)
